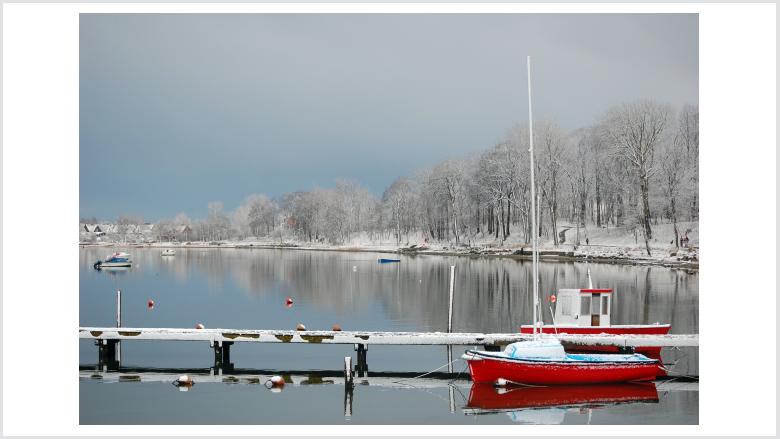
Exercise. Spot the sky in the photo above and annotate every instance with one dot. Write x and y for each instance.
(179, 110)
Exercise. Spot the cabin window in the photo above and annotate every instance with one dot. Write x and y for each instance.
(605, 305)
(585, 305)
(566, 306)
(596, 305)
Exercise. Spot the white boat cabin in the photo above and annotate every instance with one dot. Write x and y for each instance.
(583, 307)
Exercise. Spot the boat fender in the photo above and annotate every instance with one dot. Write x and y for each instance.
(96, 265)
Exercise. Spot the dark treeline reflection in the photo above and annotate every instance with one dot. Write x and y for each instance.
(491, 294)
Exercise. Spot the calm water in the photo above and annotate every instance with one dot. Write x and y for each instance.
(241, 288)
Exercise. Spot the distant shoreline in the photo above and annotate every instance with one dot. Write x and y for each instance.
(616, 255)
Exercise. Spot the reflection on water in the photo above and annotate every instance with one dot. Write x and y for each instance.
(446, 397)
(492, 293)
(242, 288)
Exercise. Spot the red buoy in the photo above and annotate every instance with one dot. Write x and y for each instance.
(288, 301)
(552, 298)
(150, 304)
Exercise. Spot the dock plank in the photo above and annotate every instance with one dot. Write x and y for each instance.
(374, 337)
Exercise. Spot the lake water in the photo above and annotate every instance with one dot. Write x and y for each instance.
(243, 288)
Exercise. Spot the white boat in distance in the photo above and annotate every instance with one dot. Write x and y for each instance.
(118, 259)
(168, 252)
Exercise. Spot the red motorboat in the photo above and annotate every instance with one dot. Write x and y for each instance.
(544, 362)
(587, 311)
(487, 397)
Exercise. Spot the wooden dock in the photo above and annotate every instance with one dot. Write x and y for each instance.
(108, 338)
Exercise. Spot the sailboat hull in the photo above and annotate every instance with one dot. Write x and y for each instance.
(596, 369)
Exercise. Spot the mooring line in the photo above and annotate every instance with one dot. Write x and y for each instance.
(427, 373)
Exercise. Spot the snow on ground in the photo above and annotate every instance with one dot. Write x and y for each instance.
(607, 244)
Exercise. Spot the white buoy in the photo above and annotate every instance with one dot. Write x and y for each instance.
(354, 268)
(184, 383)
(501, 382)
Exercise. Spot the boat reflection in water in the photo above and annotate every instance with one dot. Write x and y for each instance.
(548, 405)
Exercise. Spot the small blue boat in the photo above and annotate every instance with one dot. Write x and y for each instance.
(385, 261)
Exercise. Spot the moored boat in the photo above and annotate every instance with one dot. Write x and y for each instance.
(587, 311)
(168, 252)
(386, 261)
(118, 259)
(544, 362)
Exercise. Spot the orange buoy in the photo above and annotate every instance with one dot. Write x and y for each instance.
(275, 383)
(337, 327)
(150, 304)
(300, 327)
(200, 326)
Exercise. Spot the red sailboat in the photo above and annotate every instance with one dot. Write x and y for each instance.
(543, 361)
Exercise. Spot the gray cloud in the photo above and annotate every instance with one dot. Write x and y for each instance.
(177, 110)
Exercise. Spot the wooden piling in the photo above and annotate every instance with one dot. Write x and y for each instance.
(452, 289)
(362, 363)
(118, 350)
(347, 371)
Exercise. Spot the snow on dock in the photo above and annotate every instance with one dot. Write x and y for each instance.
(375, 337)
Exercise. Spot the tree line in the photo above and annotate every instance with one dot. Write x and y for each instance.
(634, 167)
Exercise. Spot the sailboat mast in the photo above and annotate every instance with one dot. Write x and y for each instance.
(534, 231)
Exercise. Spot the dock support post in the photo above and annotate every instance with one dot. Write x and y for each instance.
(107, 354)
(362, 365)
(118, 350)
(226, 354)
(222, 355)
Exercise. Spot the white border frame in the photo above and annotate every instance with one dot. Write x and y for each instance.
(40, 176)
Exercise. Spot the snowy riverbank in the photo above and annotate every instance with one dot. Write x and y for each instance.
(604, 245)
